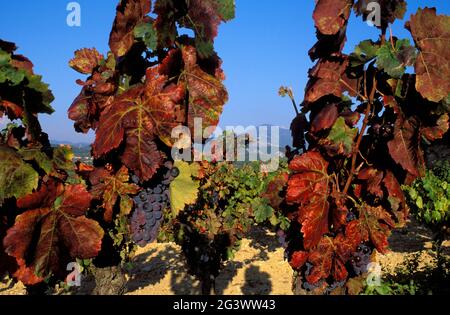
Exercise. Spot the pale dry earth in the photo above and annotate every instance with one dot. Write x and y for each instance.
(258, 268)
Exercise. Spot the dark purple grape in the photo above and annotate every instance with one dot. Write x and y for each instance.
(135, 179)
(143, 196)
(175, 172)
(350, 217)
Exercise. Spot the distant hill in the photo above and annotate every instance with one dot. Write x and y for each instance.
(81, 151)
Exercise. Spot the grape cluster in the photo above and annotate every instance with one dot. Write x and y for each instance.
(361, 259)
(384, 131)
(350, 217)
(282, 238)
(311, 287)
(149, 206)
(306, 285)
(204, 256)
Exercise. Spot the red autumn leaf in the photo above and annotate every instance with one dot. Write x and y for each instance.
(207, 94)
(437, 132)
(431, 32)
(142, 155)
(22, 62)
(86, 60)
(46, 195)
(167, 14)
(135, 117)
(205, 16)
(112, 187)
(329, 258)
(325, 119)
(44, 240)
(275, 186)
(404, 147)
(130, 13)
(340, 211)
(396, 198)
(374, 224)
(351, 118)
(13, 110)
(298, 259)
(331, 15)
(308, 187)
(373, 178)
(328, 78)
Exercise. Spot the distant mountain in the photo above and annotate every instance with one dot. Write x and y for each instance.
(81, 151)
(72, 144)
(285, 137)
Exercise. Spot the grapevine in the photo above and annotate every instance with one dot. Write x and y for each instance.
(363, 127)
(44, 204)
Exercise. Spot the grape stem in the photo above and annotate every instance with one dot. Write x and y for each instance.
(361, 135)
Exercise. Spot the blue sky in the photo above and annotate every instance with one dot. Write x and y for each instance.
(265, 47)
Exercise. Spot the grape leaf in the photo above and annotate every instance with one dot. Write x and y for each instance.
(261, 211)
(18, 178)
(204, 18)
(329, 257)
(404, 148)
(207, 94)
(394, 60)
(340, 140)
(130, 13)
(184, 189)
(373, 178)
(431, 32)
(274, 187)
(141, 154)
(364, 52)
(168, 12)
(136, 116)
(13, 110)
(438, 131)
(374, 224)
(110, 188)
(62, 233)
(147, 33)
(36, 154)
(328, 78)
(86, 60)
(396, 198)
(331, 15)
(309, 188)
(298, 259)
(325, 119)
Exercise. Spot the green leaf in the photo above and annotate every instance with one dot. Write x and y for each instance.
(5, 58)
(364, 52)
(183, 189)
(205, 49)
(394, 60)
(35, 154)
(419, 202)
(12, 75)
(262, 211)
(227, 9)
(147, 34)
(341, 137)
(18, 178)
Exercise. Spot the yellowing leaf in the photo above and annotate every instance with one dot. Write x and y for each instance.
(184, 189)
(18, 178)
